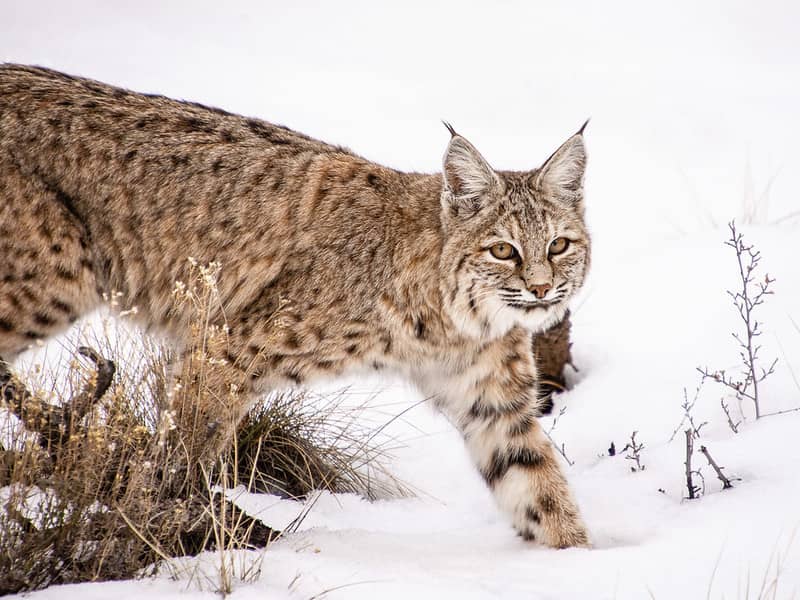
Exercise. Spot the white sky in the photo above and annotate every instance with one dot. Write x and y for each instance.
(694, 106)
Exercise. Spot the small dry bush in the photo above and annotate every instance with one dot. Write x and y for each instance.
(102, 479)
(296, 443)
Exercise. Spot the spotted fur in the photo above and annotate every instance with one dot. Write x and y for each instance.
(102, 190)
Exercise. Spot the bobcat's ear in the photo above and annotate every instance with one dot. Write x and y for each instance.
(467, 176)
(562, 173)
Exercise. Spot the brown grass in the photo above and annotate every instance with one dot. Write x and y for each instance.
(102, 486)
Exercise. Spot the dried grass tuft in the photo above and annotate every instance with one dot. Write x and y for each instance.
(103, 484)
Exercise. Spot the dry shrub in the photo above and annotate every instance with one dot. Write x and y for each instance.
(100, 484)
(297, 442)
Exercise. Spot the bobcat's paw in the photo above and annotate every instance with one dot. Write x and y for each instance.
(574, 536)
(556, 529)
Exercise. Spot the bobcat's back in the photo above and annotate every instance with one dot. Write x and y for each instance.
(143, 182)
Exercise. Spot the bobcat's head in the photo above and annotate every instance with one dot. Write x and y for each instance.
(516, 247)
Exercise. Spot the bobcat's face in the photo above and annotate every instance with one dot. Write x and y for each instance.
(516, 246)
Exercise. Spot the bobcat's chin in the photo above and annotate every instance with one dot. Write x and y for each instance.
(497, 317)
(541, 317)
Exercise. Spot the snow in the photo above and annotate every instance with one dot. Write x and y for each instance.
(694, 122)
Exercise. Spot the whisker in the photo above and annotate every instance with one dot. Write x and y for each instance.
(510, 291)
(509, 298)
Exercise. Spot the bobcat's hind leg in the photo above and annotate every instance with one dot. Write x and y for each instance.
(46, 276)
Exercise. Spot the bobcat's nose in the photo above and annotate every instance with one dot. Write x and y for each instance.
(540, 291)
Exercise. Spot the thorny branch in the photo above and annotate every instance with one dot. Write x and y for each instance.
(751, 295)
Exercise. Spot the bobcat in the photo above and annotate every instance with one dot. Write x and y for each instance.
(443, 278)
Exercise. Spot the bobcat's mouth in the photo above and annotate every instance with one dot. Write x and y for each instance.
(516, 299)
(529, 306)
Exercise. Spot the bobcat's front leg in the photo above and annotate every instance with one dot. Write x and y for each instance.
(494, 405)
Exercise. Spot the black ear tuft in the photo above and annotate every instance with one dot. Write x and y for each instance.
(450, 129)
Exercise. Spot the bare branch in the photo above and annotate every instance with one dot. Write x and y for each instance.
(726, 482)
(752, 293)
(687, 407)
(734, 426)
(690, 486)
(560, 448)
(781, 412)
(634, 450)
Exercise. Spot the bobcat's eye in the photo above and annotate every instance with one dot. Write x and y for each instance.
(558, 246)
(503, 251)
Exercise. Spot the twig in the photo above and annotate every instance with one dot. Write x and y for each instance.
(634, 452)
(734, 426)
(690, 486)
(687, 407)
(726, 483)
(556, 418)
(561, 449)
(781, 412)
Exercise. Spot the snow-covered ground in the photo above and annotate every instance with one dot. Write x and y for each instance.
(694, 113)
